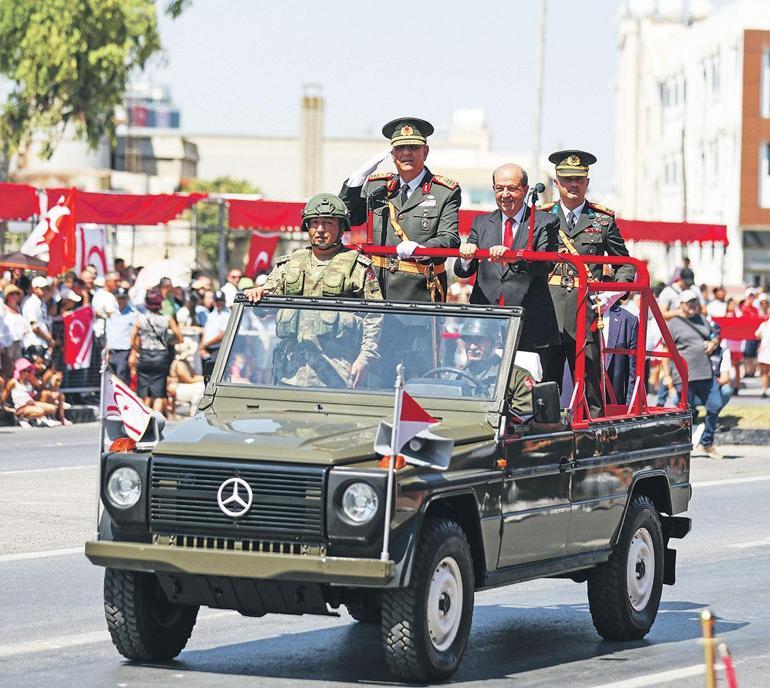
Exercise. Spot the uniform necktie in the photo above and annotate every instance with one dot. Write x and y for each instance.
(404, 193)
(508, 233)
(571, 219)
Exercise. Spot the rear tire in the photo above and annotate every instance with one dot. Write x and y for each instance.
(425, 626)
(143, 624)
(624, 592)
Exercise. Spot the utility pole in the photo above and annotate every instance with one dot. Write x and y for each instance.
(539, 79)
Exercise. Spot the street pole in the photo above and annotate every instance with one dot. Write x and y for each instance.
(222, 243)
(539, 91)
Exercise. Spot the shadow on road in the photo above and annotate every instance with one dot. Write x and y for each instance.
(504, 640)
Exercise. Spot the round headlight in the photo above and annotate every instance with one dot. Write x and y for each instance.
(124, 487)
(359, 502)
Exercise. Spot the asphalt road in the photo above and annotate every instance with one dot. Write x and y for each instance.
(52, 630)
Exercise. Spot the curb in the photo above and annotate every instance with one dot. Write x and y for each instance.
(747, 436)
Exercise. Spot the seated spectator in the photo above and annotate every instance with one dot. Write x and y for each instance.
(22, 392)
(183, 385)
(47, 382)
(16, 326)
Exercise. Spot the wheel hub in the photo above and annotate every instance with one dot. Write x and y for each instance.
(640, 569)
(444, 603)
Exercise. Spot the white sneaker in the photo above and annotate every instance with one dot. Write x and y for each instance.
(697, 433)
(50, 422)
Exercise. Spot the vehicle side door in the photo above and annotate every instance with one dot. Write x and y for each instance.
(535, 498)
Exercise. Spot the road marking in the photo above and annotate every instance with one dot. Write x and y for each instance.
(48, 470)
(657, 679)
(732, 481)
(90, 638)
(765, 542)
(24, 556)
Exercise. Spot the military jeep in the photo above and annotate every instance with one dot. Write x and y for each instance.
(272, 498)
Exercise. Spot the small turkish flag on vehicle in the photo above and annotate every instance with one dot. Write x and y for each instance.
(121, 402)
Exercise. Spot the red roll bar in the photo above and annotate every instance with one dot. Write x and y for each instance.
(579, 406)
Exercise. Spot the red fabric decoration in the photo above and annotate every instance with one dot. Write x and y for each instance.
(60, 234)
(17, 201)
(738, 328)
(667, 232)
(265, 214)
(128, 209)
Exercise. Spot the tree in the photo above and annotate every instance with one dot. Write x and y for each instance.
(208, 220)
(68, 62)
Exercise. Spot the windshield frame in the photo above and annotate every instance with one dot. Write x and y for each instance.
(350, 397)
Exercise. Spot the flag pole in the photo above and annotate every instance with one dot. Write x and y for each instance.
(394, 447)
(102, 430)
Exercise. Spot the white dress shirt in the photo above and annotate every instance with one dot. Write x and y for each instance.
(413, 184)
(577, 211)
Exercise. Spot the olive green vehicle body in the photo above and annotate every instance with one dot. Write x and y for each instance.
(535, 500)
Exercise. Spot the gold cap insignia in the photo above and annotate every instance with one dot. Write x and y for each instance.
(406, 130)
(573, 160)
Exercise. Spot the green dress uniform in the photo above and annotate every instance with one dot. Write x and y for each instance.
(595, 233)
(428, 216)
(318, 348)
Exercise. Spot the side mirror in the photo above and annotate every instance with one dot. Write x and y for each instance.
(546, 406)
(208, 369)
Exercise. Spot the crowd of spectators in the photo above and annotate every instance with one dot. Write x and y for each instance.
(157, 338)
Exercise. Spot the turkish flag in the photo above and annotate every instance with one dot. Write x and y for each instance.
(120, 402)
(261, 250)
(78, 337)
(60, 235)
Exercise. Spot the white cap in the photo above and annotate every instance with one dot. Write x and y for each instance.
(67, 293)
(763, 297)
(99, 281)
(688, 295)
(750, 291)
(40, 282)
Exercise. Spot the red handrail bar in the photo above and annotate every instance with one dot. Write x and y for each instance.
(641, 284)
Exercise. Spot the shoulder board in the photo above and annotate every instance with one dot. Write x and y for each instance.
(380, 176)
(366, 261)
(601, 208)
(445, 181)
(283, 259)
(547, 207)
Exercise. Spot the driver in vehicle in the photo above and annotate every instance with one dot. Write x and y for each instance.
(481, 338)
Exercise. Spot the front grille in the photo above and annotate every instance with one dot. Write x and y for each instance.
(260, 546)
(288, 501)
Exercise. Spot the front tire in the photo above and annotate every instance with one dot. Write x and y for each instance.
(143, 624)
(624, 592)
(425, 626)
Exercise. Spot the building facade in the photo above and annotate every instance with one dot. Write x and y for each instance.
(692, 134)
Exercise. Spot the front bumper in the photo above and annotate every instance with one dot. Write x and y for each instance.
(346, 571)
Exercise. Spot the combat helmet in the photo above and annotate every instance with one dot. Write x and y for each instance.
(326, 205)
(481, 327)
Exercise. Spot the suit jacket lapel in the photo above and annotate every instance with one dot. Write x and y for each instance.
(494, 236)
(582, 222)
(522, 232)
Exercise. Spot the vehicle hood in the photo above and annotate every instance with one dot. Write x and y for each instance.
(294, 437)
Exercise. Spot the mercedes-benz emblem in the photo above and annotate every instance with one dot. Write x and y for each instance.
(234, 497)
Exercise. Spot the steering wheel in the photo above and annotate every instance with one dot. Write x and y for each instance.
(478, 385)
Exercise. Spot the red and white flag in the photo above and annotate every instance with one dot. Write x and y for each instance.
(261, 250)
(413, 419)
(92, 248)
(78, 337)
(60, 235)
(121, 402)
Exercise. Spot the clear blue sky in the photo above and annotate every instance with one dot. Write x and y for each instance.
(238, 66)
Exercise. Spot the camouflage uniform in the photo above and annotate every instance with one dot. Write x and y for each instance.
(319, 348)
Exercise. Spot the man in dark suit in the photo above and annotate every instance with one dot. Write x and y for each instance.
(513, 284)
(621, 328)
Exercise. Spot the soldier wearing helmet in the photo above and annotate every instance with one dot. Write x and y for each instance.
(481, 337)
(326, 268)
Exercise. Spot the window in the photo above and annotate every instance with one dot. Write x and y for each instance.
(764, 176)
(765, 82)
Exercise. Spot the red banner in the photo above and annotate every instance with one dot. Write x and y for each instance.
(78, 337)
(128, 209)
(668, 232)
(17, 201)
(738, 328)
(264, 214)
(261, 250)
(60, 234)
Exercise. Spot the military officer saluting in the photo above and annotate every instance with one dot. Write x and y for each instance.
(412, 208)
(327, 268)
(587, 229)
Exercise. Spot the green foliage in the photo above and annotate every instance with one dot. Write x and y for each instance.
(207, 218)
(69, 62)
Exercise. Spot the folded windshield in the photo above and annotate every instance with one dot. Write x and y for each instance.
(444, 355)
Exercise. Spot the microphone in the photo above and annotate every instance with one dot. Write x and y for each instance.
(539, 187)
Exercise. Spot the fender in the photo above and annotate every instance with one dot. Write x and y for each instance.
(650, 483)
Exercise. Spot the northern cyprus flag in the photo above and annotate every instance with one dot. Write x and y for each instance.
(121, 402)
